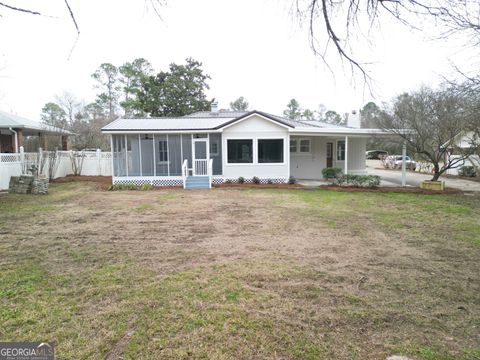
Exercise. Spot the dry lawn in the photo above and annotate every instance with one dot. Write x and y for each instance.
(241, 274)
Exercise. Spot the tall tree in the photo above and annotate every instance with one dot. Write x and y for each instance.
(53, 115)
(369, 115)
(70, 105)
(293, 110)
(429, 121)
(107, 82)
(177, 92)
(132, 74)
(334, 118)
(241, 104)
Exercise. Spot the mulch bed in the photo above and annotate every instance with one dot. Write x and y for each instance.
(99, 179)
(399, 189)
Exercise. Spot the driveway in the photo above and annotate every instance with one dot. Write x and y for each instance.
(394, 178)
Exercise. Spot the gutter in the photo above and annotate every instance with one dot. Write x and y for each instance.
(16, 139)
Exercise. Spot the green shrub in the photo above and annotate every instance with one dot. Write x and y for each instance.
(256, 180)
(228, 181)
(331, 172)
(369, 181)
(467, 171)
(292, 180)
(146, 187)
(123, 187)
(241, 180)
(269, 181)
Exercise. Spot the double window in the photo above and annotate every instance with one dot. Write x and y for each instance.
(301, 146)
(269, 151)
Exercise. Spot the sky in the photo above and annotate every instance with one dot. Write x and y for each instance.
(252, 48)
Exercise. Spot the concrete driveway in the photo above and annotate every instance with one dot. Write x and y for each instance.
(394, 178)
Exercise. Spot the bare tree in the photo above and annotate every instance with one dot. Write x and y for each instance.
(344, 21)
(430, 122)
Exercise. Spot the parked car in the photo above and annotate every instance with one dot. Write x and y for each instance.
(395, 162)
(376, 154)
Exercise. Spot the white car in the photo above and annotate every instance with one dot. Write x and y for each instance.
(395, 162)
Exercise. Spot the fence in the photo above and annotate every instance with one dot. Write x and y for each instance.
(58, 163)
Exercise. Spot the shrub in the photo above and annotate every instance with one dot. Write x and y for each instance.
(256, 180)
(146, 187)
(123, 187)
(269, 181)
(292, 180)
(468, 171)
(241, 180)
(369, 181)
(331, 172)
(228, 181)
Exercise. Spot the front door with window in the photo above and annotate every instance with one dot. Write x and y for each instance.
(200, 156)
(329, 154)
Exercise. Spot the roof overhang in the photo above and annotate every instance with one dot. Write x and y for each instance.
(341, 132)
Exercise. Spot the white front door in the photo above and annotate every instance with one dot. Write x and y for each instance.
(200, 152)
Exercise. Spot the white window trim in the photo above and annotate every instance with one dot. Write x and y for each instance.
(336, 150)
(272, 138)
(253, 151)
(217, 142)
(298, 152)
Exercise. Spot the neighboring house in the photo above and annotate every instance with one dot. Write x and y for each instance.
(14, 128)
(466, 143)
(220, 146)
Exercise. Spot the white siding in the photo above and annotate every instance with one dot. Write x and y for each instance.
(309, 166)
(357, 148)
(256, 128)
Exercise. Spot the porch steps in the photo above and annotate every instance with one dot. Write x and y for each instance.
(197, 182)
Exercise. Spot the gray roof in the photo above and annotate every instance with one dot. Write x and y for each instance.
(18, 122)
(206, 120)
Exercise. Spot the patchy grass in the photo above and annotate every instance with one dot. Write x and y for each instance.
(241, 274)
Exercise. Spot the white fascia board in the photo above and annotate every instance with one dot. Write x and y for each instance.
(146, 131)
(259, 115)
(334, 131)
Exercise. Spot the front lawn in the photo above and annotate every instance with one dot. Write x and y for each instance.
(241, 273)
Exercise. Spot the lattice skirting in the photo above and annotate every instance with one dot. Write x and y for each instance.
(177, 181)
(152, 181)
(262, 180)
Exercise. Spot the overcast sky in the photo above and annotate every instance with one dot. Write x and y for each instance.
(250, 48)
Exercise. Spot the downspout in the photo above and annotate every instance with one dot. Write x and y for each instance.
(16, 139)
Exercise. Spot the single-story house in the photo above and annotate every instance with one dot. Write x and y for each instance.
(218, 146)
(14, 128)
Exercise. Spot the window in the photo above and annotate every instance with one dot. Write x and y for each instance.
(214, 145)
(270, 150)
(240, 151)
(304, 145)
(341, 150)
(293, 146)
(162, 151)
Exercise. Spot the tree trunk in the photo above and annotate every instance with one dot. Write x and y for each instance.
(436, 172)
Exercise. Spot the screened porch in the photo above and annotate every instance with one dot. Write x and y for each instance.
(162, 155)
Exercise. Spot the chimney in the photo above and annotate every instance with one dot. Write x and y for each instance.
(214, 107)
(353, 119)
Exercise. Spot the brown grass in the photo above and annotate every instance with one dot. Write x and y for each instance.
(241, 273)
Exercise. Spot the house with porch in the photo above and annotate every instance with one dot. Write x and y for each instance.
(14, 128)
(217, 146)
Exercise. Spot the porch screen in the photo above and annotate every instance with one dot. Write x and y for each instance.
(119, 155)
(240, 151)
(175, 154)
(270, 150)
(146, 145)
(133, 155)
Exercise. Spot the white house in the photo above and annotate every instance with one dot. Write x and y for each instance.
(217, 146)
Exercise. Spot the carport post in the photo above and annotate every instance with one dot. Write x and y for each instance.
(404, 164)
(345, 171)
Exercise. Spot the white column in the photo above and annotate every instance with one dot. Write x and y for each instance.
(404, 164)
(346, 156)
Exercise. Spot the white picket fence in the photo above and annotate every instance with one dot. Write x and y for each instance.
(95, 163)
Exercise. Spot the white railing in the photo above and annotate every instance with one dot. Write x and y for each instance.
(200, 167)
(210, 172)
(184, 172)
